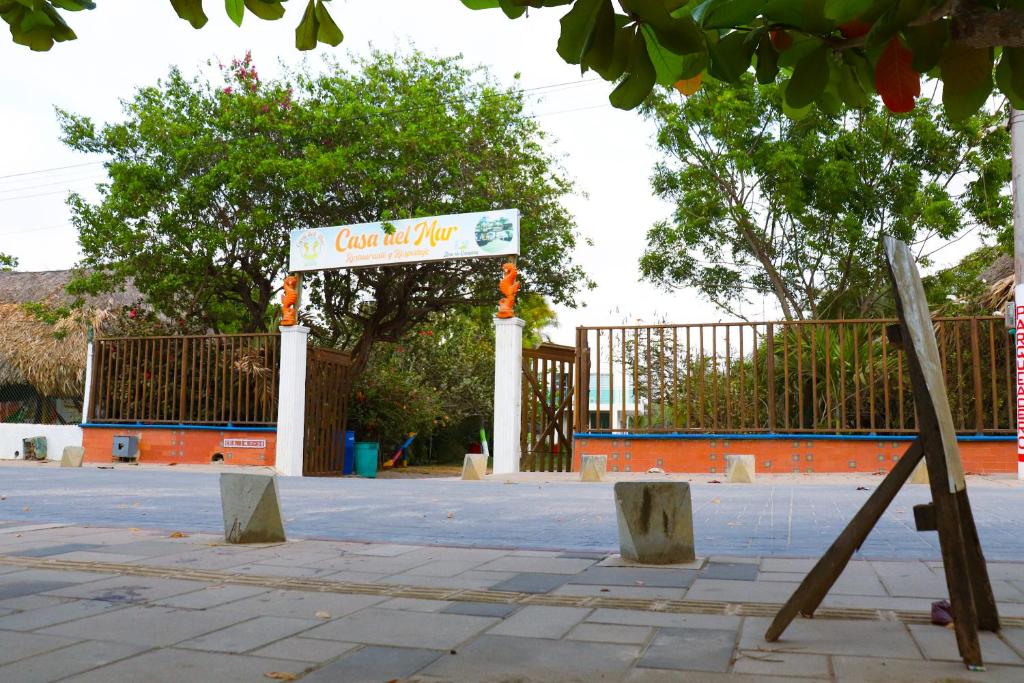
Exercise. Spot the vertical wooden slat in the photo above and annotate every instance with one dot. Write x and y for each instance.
(798, 342)
(675, 377)
(636, 375)
(785, 376)
(826, 342)
(979, 413)
(813, 359)
(993, 377)
(611, 379)
(871, 335)
(885, 380)
(727, 381)
(856, 376)
(650, 386)
(625, 415)
(770, 377)
(841, 357)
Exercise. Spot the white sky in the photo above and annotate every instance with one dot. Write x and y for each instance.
(127, 43)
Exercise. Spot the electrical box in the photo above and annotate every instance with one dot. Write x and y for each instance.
(126, 447)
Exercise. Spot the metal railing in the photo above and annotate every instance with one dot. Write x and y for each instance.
(226, 379)
(824, 376)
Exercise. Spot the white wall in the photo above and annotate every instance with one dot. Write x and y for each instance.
(57, 437)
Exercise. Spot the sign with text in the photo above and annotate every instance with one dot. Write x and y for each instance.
(434, 238)
(244, 443)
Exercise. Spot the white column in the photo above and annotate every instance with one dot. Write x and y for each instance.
(88, 381)
(508, 397)
(291, 401)
(1017, 185)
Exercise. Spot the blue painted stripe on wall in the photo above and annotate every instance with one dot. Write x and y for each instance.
(778, 437)
(207, 428)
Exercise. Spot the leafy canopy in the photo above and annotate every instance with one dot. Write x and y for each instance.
(37, 24)
(825, 53)
(207, 179)
(792, 209)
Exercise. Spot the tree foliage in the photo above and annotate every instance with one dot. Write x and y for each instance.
(37, 24)
(825, 53)
(792, 209)
(207, 180)
(7, 262)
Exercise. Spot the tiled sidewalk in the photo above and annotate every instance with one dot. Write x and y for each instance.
(95, 604)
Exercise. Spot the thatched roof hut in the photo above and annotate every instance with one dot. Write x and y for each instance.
(998, 277)
(49, 357)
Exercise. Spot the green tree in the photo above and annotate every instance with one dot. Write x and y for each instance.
(792, 209)
(825, 52)
(37, 24)
(7, 262)
(207, 180)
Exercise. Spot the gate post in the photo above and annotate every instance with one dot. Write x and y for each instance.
(291, 401)
(508, 393)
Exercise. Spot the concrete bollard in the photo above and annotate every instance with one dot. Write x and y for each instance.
(655, 521)
(72, 456)
(920, 474)
(739, 469)
(251, 510)
(474, 467)
(593, 467)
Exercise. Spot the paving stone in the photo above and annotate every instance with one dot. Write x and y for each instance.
(250, 635)
(631, 617)
(785, 564)
(611, 633)
(50, 550)
(880, 602)
(781, 664)
(412, 629)
(871, 670)
(690, 649)
(639, 675)
(145, 625)
(1014, 636)
(305, 649)
(67, 661)
(532, 583)
(32, 619)
(16, 589)
(508, 658)
(833, 637)
(937, 642)
(298, 604)
(730, 571)
(442, 568)
(212, 596)
(171, 665)
(632, 592)
(383, 549)
(636, 576)
(26, 602)
(415, 605)
(373, 564)
(538, 621)
(773, 592)
(91, 556)
(283, 570)
(537, 565)
(15, 645)
(480, 609)
(54, 575)
(129, 589)
(472, 580)
(373, 665)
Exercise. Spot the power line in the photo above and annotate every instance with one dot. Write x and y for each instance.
(50, 170)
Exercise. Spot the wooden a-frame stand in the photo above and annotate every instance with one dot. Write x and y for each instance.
(949, 513)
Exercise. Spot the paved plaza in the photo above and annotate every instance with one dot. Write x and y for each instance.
(123, 575)
(98, 604)
(780, 515)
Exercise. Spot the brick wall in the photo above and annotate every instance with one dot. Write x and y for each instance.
(192, 446)
(779, 455)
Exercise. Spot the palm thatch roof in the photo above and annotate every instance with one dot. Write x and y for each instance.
(999, 278)
(49, 357)
(48, 286)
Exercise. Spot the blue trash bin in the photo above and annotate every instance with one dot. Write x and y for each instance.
(349, 465)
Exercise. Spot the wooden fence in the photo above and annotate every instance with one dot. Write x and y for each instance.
(206, 380)
(327, 374)
(826, 376)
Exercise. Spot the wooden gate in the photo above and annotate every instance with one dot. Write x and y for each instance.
(327, 373)
(547, 413)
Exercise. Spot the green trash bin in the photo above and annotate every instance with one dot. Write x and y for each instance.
(367, 454)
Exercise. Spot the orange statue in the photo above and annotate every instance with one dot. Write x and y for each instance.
(509, 287)
(289, 300)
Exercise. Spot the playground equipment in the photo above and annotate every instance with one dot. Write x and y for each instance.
(402, 454)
